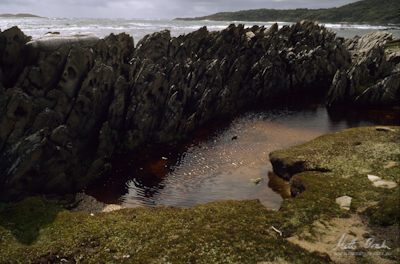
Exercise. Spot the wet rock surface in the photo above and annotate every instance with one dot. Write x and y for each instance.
(66, 105)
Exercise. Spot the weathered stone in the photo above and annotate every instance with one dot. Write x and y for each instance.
(344, 202)
(374, 178)
(373, 78)
(385, 184)
(51, 42)
(12, 57)
(385, 129)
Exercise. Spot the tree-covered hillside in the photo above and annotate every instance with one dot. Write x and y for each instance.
(365, 11)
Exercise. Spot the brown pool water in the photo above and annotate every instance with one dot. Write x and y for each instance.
(222, 161)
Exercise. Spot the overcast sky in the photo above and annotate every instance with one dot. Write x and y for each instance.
(150, 8)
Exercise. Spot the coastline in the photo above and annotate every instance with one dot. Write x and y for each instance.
(310, 222)
(70, 104)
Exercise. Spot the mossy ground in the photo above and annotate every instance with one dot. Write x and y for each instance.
(223, 232)
(37, 230)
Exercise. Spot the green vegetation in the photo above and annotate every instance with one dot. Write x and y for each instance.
(37, 230)
(366, 11)
(386, 212)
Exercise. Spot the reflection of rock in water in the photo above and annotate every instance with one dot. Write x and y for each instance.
(157, 168)
(277, 184)
(219, 168)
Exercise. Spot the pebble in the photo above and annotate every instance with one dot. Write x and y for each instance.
(256, 181)
(344, 202)
(374, 178)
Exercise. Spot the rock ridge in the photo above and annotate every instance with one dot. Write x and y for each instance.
(68, 104)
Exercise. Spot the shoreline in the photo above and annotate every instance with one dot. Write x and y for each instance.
(139, 28)
(320, 229)
(68, 106)
(147, 168)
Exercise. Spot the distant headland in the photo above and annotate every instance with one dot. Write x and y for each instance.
(21, 15)
(365, 11)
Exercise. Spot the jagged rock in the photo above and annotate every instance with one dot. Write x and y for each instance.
(154, 47)
(373, 77)
(75, 101)
(37, 165)
(12, 59)
(15, 117)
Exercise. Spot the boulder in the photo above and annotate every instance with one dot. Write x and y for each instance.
(51, 42)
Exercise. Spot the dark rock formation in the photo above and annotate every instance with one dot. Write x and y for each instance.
(373, 78)
(68, 104)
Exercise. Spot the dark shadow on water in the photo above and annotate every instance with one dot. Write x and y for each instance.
(26, 218)
(356, 117)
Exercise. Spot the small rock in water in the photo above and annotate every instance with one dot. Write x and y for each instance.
(344, 202)
(256, 181)
(386, 129)
(53, 33)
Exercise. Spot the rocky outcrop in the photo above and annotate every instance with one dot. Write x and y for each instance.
(374, 75)
(68, 104)
(343, 154)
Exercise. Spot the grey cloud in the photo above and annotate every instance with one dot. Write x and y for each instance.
(150, 8)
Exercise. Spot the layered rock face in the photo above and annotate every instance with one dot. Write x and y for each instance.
(68, 104)
(373, 78)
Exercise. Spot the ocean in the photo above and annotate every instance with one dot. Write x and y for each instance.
(37, 27)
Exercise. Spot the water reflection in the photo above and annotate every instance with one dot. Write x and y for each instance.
(221, 161)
